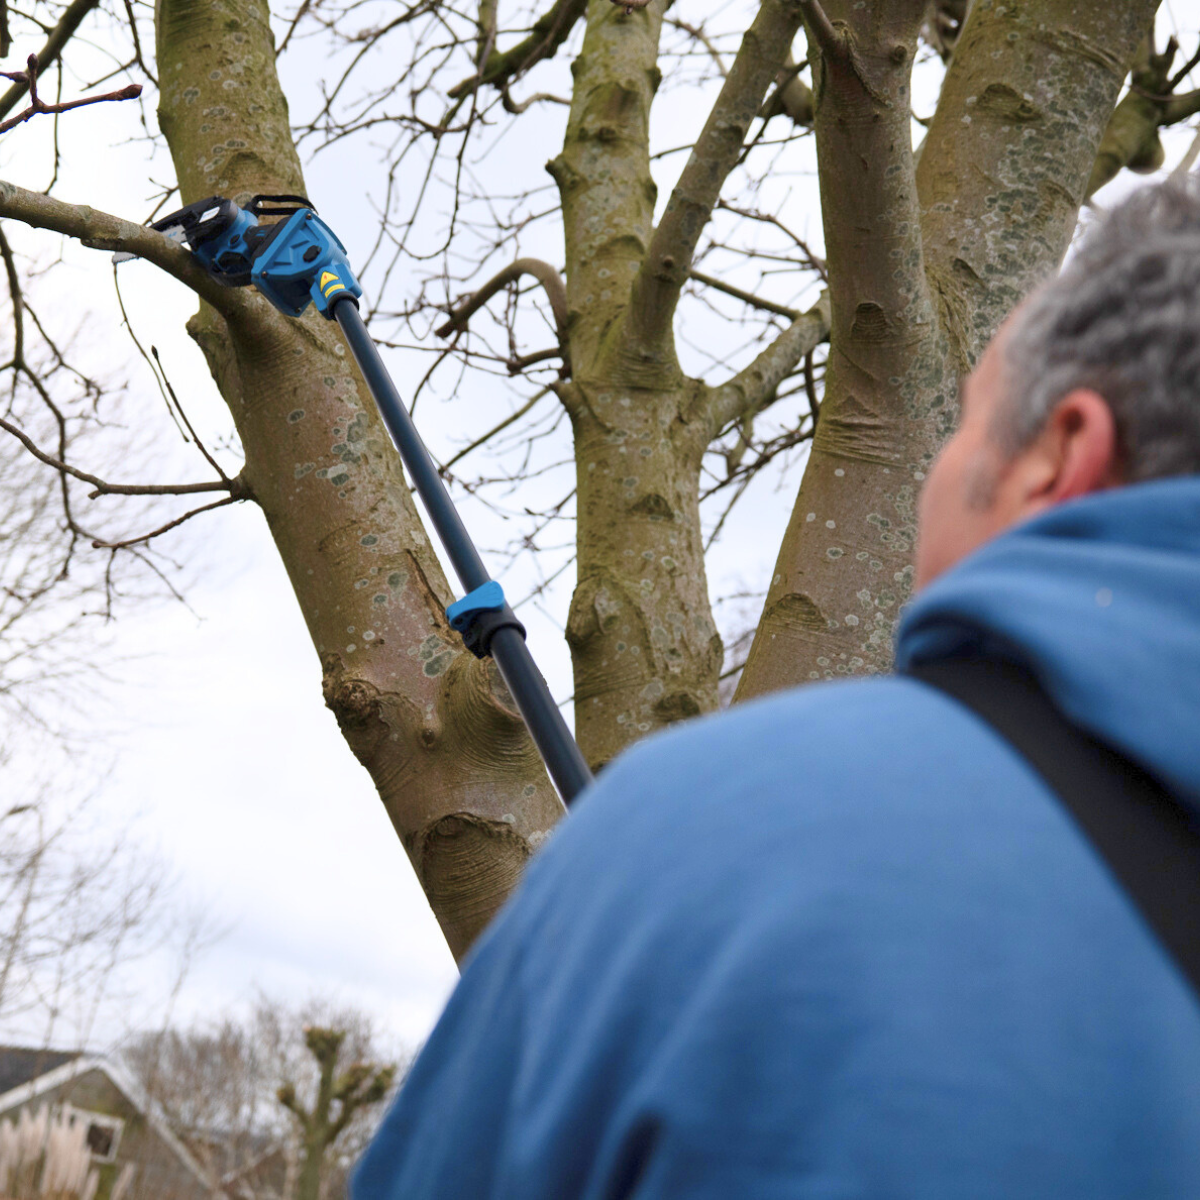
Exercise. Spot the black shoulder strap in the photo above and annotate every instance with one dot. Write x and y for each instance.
(1141, 832)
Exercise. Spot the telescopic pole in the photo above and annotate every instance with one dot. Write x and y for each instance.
(506, 645)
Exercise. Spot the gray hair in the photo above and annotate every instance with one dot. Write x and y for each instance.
(1123, 318)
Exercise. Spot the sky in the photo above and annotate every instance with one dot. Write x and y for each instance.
(218, 751)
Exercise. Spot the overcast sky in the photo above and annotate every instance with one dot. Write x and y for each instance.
(224, 757)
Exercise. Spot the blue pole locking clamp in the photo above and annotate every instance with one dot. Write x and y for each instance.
(479, 614)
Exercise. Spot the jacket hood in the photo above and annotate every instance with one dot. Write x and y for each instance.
(1100, 599)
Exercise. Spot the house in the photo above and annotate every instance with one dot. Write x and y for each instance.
(97, 1122)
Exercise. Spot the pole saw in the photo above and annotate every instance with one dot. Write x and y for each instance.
(296, 261)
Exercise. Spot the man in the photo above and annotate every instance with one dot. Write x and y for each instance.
(846, 941)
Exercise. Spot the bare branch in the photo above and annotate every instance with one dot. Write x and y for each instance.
(547, 35)
(38, 105)
(668, 260)
(697, 31)
(823, 31)
(103, 488)
(1184, 71)
(59, 36)
(491, 433)
(102, 231)
(752, 387)
(543, 272)
(516, 107)
(791, 96)
(187, 516)
(1179, 108)
(18, 302)
(746, 297)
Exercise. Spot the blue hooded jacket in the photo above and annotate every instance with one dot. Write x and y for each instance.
(843, 942)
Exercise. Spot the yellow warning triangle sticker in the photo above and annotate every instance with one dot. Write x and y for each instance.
(327, 277)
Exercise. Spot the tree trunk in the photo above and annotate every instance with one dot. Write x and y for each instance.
(924, 264)
(644, 645)
(435, 727)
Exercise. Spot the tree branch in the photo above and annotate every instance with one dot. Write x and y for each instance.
(547, 35)
(543, 272)
(752, 387)
(791, 96)
(995, 147)
(59, 36)
(1179, 108)
(102, 231)
(1131, 137)
(745, 297)
(187, 516)
(824, 34)
(103, 488)
(38, 105)
(668, 259)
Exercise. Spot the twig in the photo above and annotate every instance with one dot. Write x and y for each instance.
(141, 350)
(98, 545)
(18, 302)
(103, 488)
(137, 43)
(1184, 71)
(212, 462)
(745, 297)
(697, 31)
(287, 37)
(491, 433)
(37, 105)
(59, 36)
(815, 261)
(543, 272)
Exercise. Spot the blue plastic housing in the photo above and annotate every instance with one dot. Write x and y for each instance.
(304, 262)
(488, 598)
(227, 256)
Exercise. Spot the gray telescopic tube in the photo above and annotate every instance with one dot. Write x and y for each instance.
(553, 739)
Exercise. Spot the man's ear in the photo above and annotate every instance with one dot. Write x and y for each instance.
(1076, 453)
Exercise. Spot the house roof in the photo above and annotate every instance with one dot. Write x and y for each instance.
(59, 1067)
(19, 1065)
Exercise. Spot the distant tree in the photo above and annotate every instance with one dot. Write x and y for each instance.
(343, 1093)
(80, 910)
(295, 1087)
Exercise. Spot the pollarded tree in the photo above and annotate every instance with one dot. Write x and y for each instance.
(925, 250)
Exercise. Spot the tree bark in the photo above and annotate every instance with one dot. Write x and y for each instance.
(923, 267)
(644, 646)
(436, 729)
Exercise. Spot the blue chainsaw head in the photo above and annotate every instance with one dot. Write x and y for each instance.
(293, 262)
(304, 261)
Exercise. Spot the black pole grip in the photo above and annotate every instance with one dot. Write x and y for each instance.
(559, 751)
